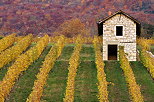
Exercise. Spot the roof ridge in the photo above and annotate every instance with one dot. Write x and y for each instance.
(117, 12)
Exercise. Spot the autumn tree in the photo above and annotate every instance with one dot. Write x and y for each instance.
(71, 28)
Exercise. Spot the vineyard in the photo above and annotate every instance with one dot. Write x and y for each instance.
(60, 69)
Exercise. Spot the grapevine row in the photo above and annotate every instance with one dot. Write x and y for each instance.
(150, 41)
(13, 52)
(48, 64)
(146, 59)
(73, 65)
(21, 64)
(101, 76)
(134, 89)
(7, 41)
(67, 40)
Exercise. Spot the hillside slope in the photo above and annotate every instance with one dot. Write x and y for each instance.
(44, 16)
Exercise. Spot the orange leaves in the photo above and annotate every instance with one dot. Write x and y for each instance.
(13, 52)
(134, 89)
(60, 44)
(73, 62)
(109, 13)
(101, 76)
(71, 28)
(50, 59)
(86, 40)
(7, 41)
(150, 41)
(82, 1)
(21, 64)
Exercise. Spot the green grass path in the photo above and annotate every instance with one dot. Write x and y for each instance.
(119, 91)
(86, 89)
(23, 86)
(66, 53)
(56, 83)
(3, 70)
(87, 53)
(144, 79)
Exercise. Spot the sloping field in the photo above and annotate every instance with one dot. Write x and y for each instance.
(86, 81)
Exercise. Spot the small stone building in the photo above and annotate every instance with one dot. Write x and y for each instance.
(119, 29)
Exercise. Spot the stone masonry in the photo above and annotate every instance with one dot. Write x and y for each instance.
(128, 40)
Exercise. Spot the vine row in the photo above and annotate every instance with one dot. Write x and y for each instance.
(21, 64)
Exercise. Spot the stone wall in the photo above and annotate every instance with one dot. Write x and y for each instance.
(130, 50)
(128, 40)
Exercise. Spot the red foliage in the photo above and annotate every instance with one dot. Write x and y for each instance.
(44, 16)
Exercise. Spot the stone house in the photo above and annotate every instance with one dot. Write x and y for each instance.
(119, 29)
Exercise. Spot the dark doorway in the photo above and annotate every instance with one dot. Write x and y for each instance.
(112, 52)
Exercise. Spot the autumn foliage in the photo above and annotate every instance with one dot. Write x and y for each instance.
(71, 28)
(134, 88)
(7, 41)
(73, 66)
(21, 64)
(13, 52)
(145, 57)
(48, 64)
(101, 76)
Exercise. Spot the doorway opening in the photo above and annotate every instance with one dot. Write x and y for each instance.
(112, 52)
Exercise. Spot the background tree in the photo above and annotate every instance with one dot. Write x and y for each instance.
(71, 28)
